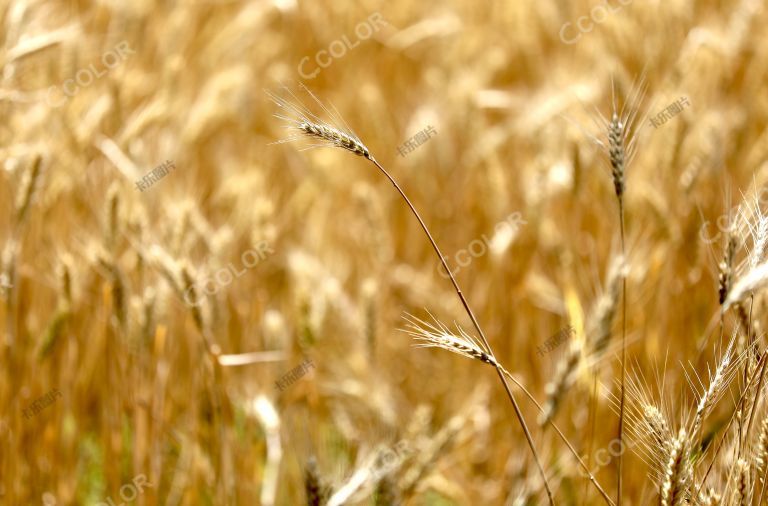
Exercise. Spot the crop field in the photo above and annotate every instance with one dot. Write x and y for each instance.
(461, 253)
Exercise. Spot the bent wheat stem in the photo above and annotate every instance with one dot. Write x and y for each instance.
(475, 323)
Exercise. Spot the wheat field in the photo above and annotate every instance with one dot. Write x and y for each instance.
(281, 252)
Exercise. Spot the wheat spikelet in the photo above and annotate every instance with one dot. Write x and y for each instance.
(425, 460)
(755, 225)
(369, 316)
(753, 281)
(27, 190)
(188, 286)
(117, 287)
(711, 498)
(674, 488)
(148, 302)
(63, 312)
(745, 412)
(65, 282)
(113, 216)
(598, 337)
(658, 429)
(725, 268)
(761, 451)
(717, 384)
(9, 288)
(616, 139)
(386, 493)
(757, 255)
(438, 335)
(601, 322)
(742, 489)
(317, 493)
(562, 380)
(334, 136)
(747, 323)
(307, 124)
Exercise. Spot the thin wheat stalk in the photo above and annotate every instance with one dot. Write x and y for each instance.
(471, 315)
(27, 190)
(310, 126)
(617, 138)
(620, 148)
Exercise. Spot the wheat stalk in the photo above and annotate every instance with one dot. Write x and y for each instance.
(621, 133)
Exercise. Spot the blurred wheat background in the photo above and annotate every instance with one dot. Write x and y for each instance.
(292, 257)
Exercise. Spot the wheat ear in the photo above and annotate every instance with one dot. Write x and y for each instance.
(742, 489)
(739, 404)
(674, 488)
(717, 384)
(725, 268)
(562, 380)
(658, 429)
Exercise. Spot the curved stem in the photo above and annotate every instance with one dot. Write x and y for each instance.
(623, 349)
(485, 343)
